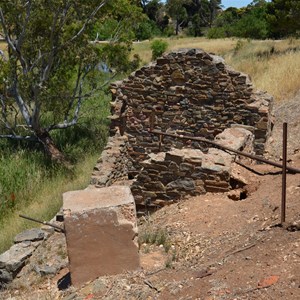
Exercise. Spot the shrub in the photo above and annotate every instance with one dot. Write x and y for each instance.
(146, 30)
(158, 47)
(239, 45)
(216, 33)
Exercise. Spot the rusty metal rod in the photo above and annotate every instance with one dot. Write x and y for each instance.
(255, 157)
(42, 222)
(284, 167)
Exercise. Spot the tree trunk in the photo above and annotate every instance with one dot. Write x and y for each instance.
(177, 27)
(50, 148)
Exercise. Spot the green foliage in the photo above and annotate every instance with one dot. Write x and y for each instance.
(146, 30)
(284, 18)
(216, 33)
(195, 28)
(177, 11)
(120, 22)
(158, 47)
(23, 167)
(260, 20)
(252, 25)
(168, 31)
(227, 17)
(250, 22)
(54, 68)
(152, 9)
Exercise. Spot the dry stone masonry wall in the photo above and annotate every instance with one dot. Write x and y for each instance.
(173, 175)
(190, 92)
(112, 165)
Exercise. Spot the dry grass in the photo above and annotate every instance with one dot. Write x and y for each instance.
(214, 46)
(46, 203)
(278, 74)
(3, 46)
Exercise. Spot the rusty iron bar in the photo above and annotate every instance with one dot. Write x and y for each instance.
(43, 222)
(255, 157)
(284, 167)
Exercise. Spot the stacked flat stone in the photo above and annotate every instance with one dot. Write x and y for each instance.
(15, 258)
(190, 92)
(177, 173)
(113, 163)
(173, 175)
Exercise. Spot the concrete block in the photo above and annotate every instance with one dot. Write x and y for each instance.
(100, 227)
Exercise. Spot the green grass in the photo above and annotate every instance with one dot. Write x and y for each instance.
(45, 200)
(32, 185)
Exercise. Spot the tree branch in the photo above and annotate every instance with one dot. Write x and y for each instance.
(21, 104)
(12, 43)
(5, 31)
(19, 137)
(79, 98)
(21, 37)
(91, 16)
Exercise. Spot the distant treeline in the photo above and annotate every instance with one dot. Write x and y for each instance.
(259, 20)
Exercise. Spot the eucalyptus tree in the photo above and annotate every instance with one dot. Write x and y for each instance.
(49, 68)
(177, 12)
(284, 18)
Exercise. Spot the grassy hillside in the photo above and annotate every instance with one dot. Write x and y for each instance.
(32, 187)
(274, 66)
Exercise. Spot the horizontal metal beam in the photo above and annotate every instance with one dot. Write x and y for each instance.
(203, 140)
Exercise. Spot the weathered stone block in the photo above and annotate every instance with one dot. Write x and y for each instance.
(182, 185)
(34, 234)
(236, 138)
(14, 258)
(100, 229)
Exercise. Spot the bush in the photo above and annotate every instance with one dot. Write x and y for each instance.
(158, 47)
(216, 33)
(238, 46)
(168, 31)
(146, 30)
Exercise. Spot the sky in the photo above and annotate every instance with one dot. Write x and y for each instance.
(235, 3)
(229, 3)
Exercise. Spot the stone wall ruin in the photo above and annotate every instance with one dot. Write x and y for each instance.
(190, 92)
(186, 92)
